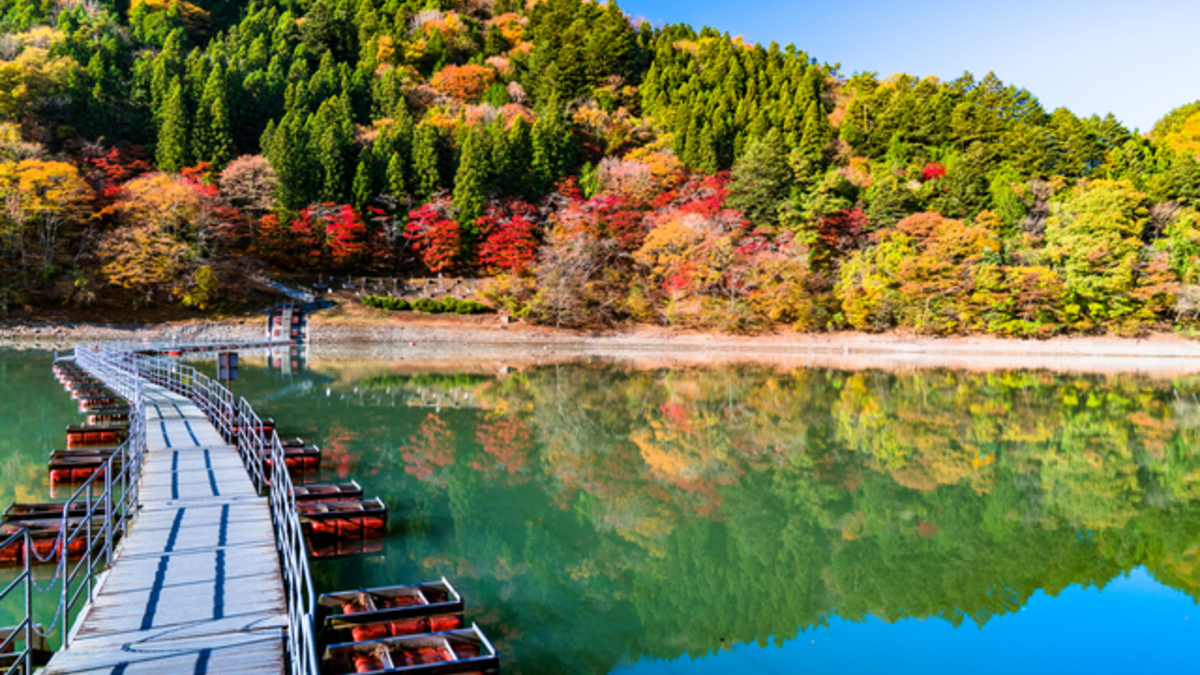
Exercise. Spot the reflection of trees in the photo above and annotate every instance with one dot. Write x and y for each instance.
(432, 447)
(744, 505)
(34, 409)
(593, 514)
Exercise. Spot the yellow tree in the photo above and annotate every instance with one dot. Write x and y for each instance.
(686, 255)
(40, 199)
(156, 245)
(32, 75)
(1186, 139)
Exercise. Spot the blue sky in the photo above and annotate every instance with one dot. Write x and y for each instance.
(1137, 60)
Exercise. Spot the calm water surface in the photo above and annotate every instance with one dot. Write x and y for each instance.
(609, 519)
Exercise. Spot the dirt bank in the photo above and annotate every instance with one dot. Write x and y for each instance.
(484, 341)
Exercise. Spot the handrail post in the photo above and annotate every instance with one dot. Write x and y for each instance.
(64, 599)
(87, 525)
(109, 512)
(28, 604)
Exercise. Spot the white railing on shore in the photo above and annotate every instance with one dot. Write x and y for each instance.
(237, 422)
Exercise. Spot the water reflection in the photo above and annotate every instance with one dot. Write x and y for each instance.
(597, 516)
(600, 516)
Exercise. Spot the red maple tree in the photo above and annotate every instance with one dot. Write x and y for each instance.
(434, 237)
(510, 242)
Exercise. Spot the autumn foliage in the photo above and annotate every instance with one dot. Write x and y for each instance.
(604, 172)
(436, 238)
(510, 242)
(464, 83)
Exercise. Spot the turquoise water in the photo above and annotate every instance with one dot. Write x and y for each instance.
(609, 519)
(34, 409)
(602, 518)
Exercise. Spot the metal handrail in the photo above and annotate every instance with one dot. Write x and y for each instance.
(23, 661)
(106, 516)
(238, 424)
(105, 521)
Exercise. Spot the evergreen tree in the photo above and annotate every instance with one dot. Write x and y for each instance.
(195, 75)
(397, 179)
(612, 45)
(551, 150)
(1184, 180)
(700, 146)
(213, 139)
(520, 151)
(502, 171)
(471, 179)
(363, 189)
(168, 65)
(325, 83)
(427, 176)
(395, 153)
(174, 136)
(806, 159)
(761, 181)
(333, 136)
(287, 151)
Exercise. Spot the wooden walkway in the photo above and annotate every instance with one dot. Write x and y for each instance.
(196, 586)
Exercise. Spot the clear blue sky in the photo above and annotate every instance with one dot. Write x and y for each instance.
(1137, 60)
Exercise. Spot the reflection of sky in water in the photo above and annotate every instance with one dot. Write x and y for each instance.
(1134, 625)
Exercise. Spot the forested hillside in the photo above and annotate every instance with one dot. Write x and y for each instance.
(601, 170)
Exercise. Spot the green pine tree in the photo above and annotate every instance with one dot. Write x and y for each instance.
(551, 150)
(502, 171)
(761, 181)
(470, 181)
(520, 158)
(167, 66)
(174, 136)
(287, 152)
(213, 139)
(807, 159)
(333, 133)
(397, 179)
(612, 45)
(425, 162)
(363, 189)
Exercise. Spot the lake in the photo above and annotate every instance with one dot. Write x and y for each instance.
(605, 517)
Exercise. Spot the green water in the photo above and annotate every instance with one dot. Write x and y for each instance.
(602, 518)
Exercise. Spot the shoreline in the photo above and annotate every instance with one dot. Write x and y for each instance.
(484, 342)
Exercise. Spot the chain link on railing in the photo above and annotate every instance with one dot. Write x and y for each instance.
(123, 367)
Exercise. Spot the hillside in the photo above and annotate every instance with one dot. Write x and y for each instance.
(155, 153)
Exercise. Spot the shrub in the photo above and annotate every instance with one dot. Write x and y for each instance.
(426, 305)
(446, 305)
(470, 307)
(385, 302)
